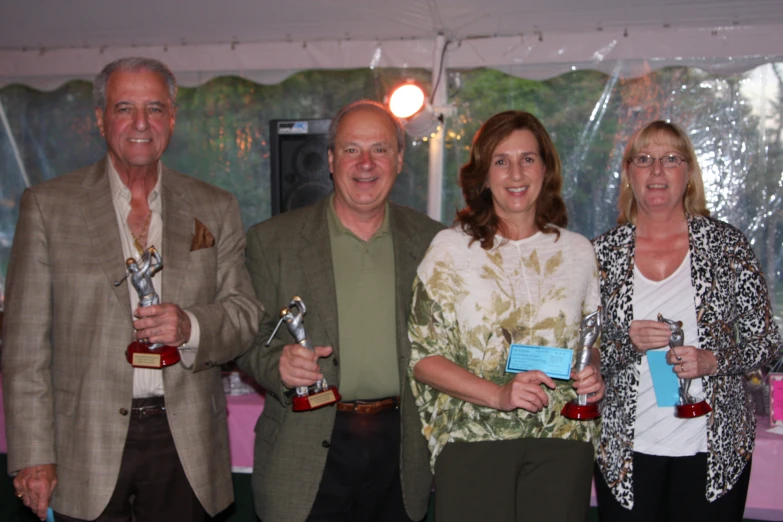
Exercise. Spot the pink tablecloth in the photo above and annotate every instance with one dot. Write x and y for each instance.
(765, 501)
(243, 412)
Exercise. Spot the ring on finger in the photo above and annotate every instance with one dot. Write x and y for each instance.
(682, 367)
(19, 494)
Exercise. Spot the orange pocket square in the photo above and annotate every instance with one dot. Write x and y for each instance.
(202, 237)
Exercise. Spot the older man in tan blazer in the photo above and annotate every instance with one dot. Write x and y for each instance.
(97, 437)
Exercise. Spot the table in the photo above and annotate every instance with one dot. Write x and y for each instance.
(243, 412)
(764, 499)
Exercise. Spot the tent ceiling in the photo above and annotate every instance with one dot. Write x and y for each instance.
(49, 40)
(54, 24)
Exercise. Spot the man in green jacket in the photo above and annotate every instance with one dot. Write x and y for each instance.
(351, 258)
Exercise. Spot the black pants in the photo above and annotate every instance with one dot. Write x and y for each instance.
(672, 489)
(152, 486)
(522, 480)
(361, 480)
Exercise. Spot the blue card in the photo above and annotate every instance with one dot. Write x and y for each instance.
(665, 382)
(555, 362)
(49, 515)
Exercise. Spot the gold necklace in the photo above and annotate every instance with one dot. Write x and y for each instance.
(143, 234)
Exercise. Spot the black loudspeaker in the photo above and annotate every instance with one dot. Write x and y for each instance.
(300, 167)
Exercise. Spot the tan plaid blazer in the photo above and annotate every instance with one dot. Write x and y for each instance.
(65, 378)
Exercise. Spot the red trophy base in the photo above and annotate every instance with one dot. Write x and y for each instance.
(691, 411)
(317, 400)
(575, 411)
(140, 355)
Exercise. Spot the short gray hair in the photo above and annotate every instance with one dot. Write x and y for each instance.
(365, 104)
(132, 64)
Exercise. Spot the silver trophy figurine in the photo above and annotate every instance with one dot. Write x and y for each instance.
(142, 354)
(688, 407)
(589, 330)
(322, 394)
(140, 273)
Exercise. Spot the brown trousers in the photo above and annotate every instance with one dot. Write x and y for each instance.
(152, 486)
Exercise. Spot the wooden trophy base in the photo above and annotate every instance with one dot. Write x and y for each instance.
(691, 411)
(575, 411)
(317, 400)
(140, 355)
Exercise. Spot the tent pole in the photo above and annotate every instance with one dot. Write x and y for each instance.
(437, 142)
(18, 156)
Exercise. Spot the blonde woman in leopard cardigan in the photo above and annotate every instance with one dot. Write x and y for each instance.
(668, 256)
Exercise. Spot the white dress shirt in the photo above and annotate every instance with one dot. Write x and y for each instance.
(147, 382)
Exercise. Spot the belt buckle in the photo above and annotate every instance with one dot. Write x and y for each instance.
(146, 412)
(371, 407)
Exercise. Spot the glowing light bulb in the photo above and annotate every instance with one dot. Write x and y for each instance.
(406, 100)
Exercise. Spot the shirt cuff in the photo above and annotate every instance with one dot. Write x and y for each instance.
(188, 350)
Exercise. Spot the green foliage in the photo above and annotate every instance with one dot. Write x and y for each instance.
(222, 136)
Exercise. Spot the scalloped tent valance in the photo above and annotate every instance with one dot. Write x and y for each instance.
(44, 43)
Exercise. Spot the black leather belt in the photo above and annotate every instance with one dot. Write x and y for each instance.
(148, 407)
(369, 406)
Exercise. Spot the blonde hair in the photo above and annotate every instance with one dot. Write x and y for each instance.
(693, 200)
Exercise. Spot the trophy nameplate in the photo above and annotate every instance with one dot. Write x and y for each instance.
(321, 393)
(141, 355)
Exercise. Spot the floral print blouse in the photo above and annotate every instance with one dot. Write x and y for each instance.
(471, 304)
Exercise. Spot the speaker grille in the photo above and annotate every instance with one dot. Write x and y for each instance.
(300, 167)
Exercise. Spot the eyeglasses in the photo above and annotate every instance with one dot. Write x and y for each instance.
(643, 161)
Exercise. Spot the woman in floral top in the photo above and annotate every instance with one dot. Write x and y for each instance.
(507, 273)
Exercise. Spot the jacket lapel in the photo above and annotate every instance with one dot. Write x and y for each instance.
(700, 264)
(178, 227)
(406, 261)
(100, 220)
(316, 256)
(626, 244)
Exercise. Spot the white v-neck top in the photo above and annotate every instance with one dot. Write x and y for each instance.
(657, 431)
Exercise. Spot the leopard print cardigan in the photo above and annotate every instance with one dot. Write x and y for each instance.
(734, 321)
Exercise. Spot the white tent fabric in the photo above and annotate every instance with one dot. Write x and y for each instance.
(44, 43)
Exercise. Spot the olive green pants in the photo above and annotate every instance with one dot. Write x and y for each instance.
(523, 480)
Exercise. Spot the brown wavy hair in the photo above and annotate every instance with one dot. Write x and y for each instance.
(478, 218)
(693, 200)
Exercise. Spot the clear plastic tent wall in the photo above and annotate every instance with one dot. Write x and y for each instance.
(735, 120)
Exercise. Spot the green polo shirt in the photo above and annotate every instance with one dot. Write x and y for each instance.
(366, 318)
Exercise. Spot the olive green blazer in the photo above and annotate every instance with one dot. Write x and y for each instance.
(291, 255)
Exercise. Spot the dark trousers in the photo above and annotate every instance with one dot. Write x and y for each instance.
(361, 480)
(513, 481)
(672, 489)
(152, 486)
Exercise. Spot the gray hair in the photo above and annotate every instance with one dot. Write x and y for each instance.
(132, 64)
(365, 104)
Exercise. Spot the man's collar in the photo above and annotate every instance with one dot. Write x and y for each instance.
(120, 190)
(340, 229)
